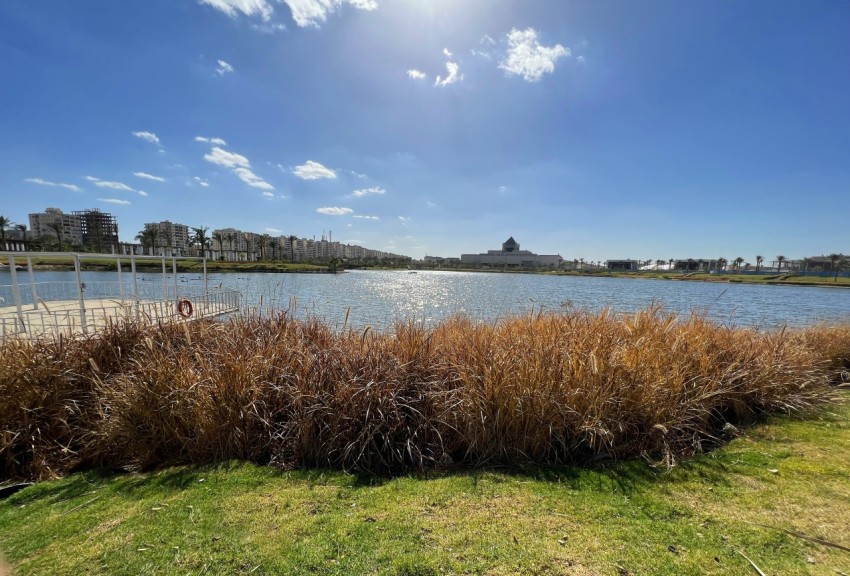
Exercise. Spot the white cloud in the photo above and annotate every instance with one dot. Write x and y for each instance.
(486, 44)
(446, 53)
(334, 211)
(252, 179)
(201, 182)
(238, 164)
(147, 136)
(223, 68)
(366, 191)
(404, 218)
(260, 8)
(452, 76)
(119, 186)
(71, 187)
(313, 12)
(416, 74)
(268, 194)
(228, 159)
(526, 57)
(361, 217)
(580, 59)
(113, 185)
(430, 204)
(114, 201)
(272, 230)
(147, 176)
(352, 241)
(213, 141)
(313, 171)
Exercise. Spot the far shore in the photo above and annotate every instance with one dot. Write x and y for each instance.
(268, 266)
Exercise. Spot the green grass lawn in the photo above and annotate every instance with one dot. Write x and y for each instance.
(783, 476)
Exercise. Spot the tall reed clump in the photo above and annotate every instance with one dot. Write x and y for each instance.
(542, 388)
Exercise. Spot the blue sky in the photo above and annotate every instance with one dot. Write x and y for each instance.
(615, 129)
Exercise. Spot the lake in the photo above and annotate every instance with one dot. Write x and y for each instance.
(378, 298)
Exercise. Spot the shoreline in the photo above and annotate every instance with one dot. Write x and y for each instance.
(310, 268)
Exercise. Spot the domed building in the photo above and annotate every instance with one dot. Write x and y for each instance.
(511, 255)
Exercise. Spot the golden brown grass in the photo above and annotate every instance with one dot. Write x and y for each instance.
(544, 388)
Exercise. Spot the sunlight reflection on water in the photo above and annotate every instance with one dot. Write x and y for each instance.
(379, 298)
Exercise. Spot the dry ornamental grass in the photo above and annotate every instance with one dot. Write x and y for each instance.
(543, 388)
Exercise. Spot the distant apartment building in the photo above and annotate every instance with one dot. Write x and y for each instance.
(173, 237)
(237, 245)
(511, 255)
(233, 245)
(99, 230)
(46, 224)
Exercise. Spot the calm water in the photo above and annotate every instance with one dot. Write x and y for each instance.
(378, 298)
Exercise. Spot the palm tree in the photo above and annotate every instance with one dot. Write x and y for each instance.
(262, 242)
(581, 263)
(57, 227)
(219, 237)
(22, 228)
(779, 259)
(4, 224)
(169, 242)
(759, 260)
(147, 238)
(292, 240)
(738, 262)
(721, 263)
(199, 236)
(833, 260)
(153, 234)
(843, 264)
(231, 237)
(144, 238)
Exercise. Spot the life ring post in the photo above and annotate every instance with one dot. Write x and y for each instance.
(184, 307)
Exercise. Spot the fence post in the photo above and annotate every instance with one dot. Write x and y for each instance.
(174, 272)
(16, 293)
(164, 279)
(120, 281)
(32, 284)
(80, 294)
(135, 283)
(206, 287)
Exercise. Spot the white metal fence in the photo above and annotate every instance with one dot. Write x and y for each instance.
(38, 309)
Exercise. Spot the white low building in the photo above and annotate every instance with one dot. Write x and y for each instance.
(511, 255)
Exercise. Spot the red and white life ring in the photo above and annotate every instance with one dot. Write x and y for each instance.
(184, 307)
